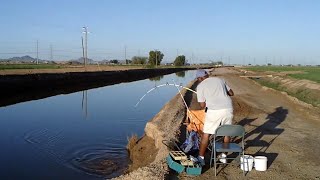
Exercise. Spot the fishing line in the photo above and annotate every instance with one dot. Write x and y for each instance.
(167, 84)
(161, 85)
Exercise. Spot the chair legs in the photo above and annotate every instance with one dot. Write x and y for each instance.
(215, 163)
(213, 157)
(243, 163)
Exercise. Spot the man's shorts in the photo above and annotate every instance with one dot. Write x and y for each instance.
(215, 118)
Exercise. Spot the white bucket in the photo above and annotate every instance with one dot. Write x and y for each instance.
(260, 163)
(246, 162)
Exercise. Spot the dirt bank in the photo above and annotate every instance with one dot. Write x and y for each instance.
(305, 90)
(70, 68)
(164, 126)
(20, 88)
(284, 131)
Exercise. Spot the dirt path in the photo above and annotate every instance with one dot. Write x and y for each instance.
(283, 130)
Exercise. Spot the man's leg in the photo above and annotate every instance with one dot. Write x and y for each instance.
(204, 144)
(226, 139)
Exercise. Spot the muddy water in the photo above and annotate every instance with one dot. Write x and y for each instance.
(80, 135)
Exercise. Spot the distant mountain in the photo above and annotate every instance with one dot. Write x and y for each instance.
(21, 59)
(25, 59)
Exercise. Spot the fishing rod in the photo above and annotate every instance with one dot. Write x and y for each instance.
(162, 85)
(188, 110)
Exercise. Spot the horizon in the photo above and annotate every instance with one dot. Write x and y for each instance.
(241, 32)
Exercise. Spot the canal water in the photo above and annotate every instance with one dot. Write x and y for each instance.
(82, 135)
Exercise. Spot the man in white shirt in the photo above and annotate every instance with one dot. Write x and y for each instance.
(213, 94)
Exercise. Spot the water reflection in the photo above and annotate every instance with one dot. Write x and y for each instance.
(85, 103)
(157, 78)
(51, 136)
(181, 74)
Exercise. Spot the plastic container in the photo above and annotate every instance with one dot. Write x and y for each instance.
(194, 170)
(174, 165)
(260, 163)
(246, 162)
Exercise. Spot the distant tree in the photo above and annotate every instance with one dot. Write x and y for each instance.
(139, 60)
(216, 63)
(269, 64)
(155, 57)
(114, 61)
(128, 61)
(219, 63)
(180, 60)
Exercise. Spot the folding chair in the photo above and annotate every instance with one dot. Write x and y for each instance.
(227, 130)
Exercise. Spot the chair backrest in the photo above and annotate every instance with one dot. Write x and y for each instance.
(230, 130)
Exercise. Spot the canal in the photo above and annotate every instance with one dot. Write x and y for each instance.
(82, 135)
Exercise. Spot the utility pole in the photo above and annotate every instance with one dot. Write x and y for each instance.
(37, 52)
(125, 54)
(51, 56)
(177, 52)
(243, 60)
(274, 61)
(192, 58)
(266, 60)
(85, 31)
(84, 62)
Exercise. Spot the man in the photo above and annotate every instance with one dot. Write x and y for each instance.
(213, 94)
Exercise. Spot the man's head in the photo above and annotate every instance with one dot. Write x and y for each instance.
(201, 75)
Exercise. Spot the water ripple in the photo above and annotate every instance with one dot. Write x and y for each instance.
(107, 159)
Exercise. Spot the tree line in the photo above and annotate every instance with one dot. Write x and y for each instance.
(154, 59)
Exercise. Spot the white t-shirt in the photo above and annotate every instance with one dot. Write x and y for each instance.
(213, 91)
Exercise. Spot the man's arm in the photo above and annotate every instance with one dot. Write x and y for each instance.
(202, 105)
(230, 92)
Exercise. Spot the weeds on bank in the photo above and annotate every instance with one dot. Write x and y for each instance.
(304, 95)
(132, 141)
(310, 73)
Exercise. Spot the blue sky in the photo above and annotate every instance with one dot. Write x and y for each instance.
(243, 31)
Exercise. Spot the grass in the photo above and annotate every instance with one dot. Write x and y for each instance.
(273, 85)
(304, 95)
(132, 141)
(28, 66)
(309, 73)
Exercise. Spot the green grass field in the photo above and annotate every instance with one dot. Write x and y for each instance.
(28, 66)
(310, 73)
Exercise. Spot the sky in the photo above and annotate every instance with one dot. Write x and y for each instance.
(236, 32)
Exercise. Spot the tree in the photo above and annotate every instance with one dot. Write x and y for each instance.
(155, 57)
(216, 63)
(114, 61)
(180, 60)
(128, 61)
(139, 60)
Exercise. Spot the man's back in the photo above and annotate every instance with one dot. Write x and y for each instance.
(214, 92)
